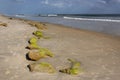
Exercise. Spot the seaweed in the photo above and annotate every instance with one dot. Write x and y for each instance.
(33, 40)
(41, 53)
(38, 25)
(39, 35)
(74, 69)
(33, 43)
(43, 67)
(46, 51)
(33, 46)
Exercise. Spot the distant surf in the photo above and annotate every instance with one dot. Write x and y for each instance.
(91, 19)
(104, 24)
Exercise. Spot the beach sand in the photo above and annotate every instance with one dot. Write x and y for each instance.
(98, 53)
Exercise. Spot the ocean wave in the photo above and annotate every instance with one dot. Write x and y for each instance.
(20, 15)
(52, 15)
(90, 19)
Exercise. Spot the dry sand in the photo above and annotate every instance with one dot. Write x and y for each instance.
(98, 53)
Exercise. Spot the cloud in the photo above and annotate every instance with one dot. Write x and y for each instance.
(109, 1)
(84, 6)
(106, 7)
(118, 0)
(45, 2)
(58, 3)
(61, 6)
(103, 1)
(19, 0)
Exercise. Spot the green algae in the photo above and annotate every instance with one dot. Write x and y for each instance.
(39, 35)
(41, 53)
(74, 69)
(33, 46)
(46, 52)
(33, 43)
(38, 25)
(43, 67)
(33, 40)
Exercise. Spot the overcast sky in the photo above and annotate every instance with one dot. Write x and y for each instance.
(60, 6)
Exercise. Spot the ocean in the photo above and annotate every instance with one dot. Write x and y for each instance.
(109, 24)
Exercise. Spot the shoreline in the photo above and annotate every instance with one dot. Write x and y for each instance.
(97, 26)
(62, 25)
(98, 53)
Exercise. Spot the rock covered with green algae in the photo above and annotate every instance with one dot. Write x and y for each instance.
(39, 35)
(74, 69)
(43, 67)
(38, 25)
(46, 52)
(33, 40)
(3, 24)
(41, 53)
(33, 46)
(33, 43)
(35, 55)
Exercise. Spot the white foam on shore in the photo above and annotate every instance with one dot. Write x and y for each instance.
(87, 19)
(20, 16)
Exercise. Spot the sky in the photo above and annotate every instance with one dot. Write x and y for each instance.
(60, 7)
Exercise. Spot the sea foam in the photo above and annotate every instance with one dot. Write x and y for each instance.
(90, 19)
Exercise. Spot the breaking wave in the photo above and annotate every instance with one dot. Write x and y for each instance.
(91, 19)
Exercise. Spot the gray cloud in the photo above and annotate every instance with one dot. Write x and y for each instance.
(105, 6)
(18, 1)
(57, 3)
(60, 6)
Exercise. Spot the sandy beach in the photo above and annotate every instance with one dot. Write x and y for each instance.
(98, 53)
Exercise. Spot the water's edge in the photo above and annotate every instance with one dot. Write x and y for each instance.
(104, 25)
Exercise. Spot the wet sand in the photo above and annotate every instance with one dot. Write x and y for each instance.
(98, 53)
